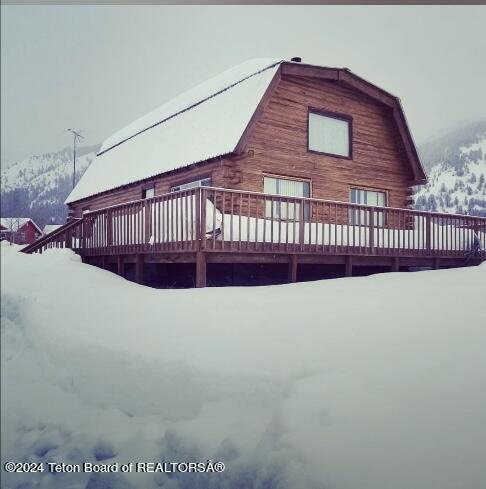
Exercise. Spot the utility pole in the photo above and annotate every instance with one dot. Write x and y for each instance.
(76, 137)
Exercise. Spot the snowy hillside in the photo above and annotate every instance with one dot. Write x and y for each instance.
(37, 186)
(283, 384)
(457, 172)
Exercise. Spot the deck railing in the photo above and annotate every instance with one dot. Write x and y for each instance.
(215, 219)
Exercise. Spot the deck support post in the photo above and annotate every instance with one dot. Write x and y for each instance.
(200, 269)
(293, 263)
(348, 266)
(120, 266)
(435, 264)
(139, 268)
(395, 264)
(104, 262)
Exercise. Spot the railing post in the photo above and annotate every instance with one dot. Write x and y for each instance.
(301, 225)
(428, 232)
(109, 228)
(148, 221)
(477, 236)
(202, 217)
(83, 233)
(371, 229)
(197, 223)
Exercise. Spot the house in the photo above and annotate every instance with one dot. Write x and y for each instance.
(19, 230)
(271, 126)
(271, 161)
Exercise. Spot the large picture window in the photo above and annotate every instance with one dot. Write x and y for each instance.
(287, 188)
(367, 197)
(329, 134)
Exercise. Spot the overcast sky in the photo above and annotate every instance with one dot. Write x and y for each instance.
(97, 68)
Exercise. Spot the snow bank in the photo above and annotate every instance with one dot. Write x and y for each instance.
(354, 383)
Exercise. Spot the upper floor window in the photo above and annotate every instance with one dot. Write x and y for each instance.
(148, 192)
(204, 182)
(330, 134)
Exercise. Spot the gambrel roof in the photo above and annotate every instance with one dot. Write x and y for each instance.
(211, 120)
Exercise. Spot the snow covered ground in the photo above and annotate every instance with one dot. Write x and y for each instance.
(369, 383)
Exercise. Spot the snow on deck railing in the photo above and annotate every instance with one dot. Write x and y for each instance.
(230, 220)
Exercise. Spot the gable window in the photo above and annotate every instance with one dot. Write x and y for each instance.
(148, 192)
(329, 134)
(204, 182)
(367, 197)
(287, 188)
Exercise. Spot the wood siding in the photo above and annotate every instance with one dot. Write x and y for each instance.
(277, 145)
(216, 170)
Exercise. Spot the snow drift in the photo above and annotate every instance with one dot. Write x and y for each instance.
(362, 383)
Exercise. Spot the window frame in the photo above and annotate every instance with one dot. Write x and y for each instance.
(331, 115)
(196, 179)
(384, 218)
(369, 189)
(294, 179)
(148, 186)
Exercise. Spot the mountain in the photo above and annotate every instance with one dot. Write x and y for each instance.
(456, 167)
(37, 186)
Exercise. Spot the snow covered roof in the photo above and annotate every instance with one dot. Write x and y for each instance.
(213, 116)
(208, 121)
(15, 223)
(48, 228)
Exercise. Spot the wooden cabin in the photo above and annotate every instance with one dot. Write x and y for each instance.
(19, 230)
(271, 161)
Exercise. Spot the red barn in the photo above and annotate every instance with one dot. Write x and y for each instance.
(19, 230)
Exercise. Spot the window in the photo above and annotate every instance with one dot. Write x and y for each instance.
(330, 134)
(148, 192)
(367, 197)
(204, 182)
(287, 188)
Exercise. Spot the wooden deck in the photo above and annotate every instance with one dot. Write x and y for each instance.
(214, 225)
